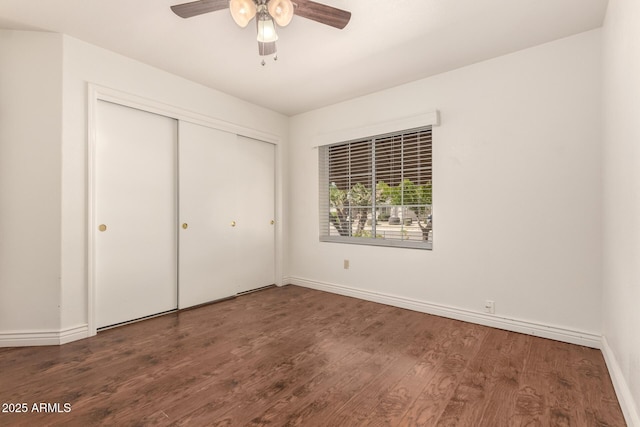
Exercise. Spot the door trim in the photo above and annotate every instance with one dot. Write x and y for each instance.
(97, 93)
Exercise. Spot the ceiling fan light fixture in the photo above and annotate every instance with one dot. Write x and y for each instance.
(266, 49)
(268, 13)
(281, 11)
(266, 30)
(242, 11)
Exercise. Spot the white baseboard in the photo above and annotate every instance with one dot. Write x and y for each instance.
(631, 415)
(37, 338)
(531, 328)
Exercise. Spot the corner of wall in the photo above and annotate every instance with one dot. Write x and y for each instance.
(620, 385)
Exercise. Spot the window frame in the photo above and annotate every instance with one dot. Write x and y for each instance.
(324, 188)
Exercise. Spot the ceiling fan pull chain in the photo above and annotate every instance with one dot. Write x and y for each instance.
(275, 58)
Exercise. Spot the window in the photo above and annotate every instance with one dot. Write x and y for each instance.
(378, 190)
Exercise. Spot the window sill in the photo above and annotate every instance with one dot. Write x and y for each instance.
(378, 242)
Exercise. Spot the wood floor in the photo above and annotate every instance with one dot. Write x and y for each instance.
(295, 356)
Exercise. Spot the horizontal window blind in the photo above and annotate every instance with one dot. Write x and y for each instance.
(378, 190)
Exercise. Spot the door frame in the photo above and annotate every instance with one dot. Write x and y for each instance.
(100, 93)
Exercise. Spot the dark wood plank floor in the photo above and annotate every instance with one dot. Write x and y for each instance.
(295, 356)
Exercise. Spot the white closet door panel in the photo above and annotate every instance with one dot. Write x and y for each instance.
(135, 198)
(255, 210)
(208, 246)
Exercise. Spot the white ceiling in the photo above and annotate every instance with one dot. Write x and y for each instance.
(387, 42)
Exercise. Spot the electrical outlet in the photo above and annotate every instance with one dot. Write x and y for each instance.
(346, 264)
(490, 307)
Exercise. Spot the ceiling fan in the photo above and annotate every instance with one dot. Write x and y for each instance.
(268, 13)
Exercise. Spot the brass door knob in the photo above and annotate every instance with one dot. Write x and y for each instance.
(233, 223)
(185, 225)
(102, 227)
(272, 222)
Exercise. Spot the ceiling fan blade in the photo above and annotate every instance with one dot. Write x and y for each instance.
(322, 13)
(265, 49)
(195, 8)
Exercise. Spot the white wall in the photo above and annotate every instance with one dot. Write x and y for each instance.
(516, 194)
(43, 275)
(621, 201)
(30, 162)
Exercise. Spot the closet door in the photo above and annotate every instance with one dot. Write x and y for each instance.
(227, 238)
(135, 214)
(208, 250)
(256, 213)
